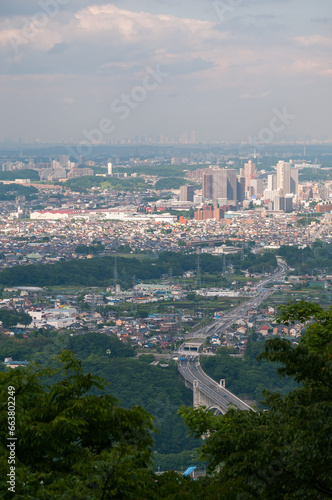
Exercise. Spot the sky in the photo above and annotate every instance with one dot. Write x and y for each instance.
(229, 70)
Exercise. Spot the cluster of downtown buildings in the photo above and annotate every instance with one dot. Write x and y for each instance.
(224, 187)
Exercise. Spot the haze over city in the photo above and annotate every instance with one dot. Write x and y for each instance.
(224, 69)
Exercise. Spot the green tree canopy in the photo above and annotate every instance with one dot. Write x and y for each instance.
(286, 451)
(71, 444)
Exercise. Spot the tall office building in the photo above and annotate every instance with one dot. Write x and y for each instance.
(284, 177)
(207, 180)
(271, 182)
(241, 187)
(110, 168)
(294, 180)
(249, 175)
(257, 187)
(224, 186)
(187, 193)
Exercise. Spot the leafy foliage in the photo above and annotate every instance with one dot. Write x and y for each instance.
(309, 259)
(170, 183)
(71, 444)
(12, 318)
(10, 191)
(20, 174)
(81, 184)
(285, 452)
(99, 271)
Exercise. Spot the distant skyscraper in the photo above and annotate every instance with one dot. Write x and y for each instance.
(240, 187)
(207, 180)
(271, 182)
(187, 193)
(224, 186)
(249, 175)
(294, 180)
(284, 177)
(110, 168)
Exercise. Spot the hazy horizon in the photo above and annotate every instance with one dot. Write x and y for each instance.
(80, 70)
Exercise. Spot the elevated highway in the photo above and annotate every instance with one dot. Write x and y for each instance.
(206, 391)
(216, 326)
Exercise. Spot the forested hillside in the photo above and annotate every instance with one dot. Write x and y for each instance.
(247, 378)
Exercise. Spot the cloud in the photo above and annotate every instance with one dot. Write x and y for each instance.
(262, 95)
(105, 39)
(58, 48)
(324, 20)
(312, 40)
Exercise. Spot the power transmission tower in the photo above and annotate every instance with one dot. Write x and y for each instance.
(134, 305)
(115, 272)
(93, 303)
(242, 252)
(170, 276)
(224, 264)
(198, 271)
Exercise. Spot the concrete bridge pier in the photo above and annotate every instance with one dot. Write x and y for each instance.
(201, 399)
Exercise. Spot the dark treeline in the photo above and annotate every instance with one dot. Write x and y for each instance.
(132, 380)
(81, 184)
(310, 259)
(10, 191)
(20, 174)
(99, 271)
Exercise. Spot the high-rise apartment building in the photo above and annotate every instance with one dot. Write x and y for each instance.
(271, 182)
(209, 212)
(284, 177)
(240, 188)
(224, 186)
(187, 193)
(207, 180)
(294, 180)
